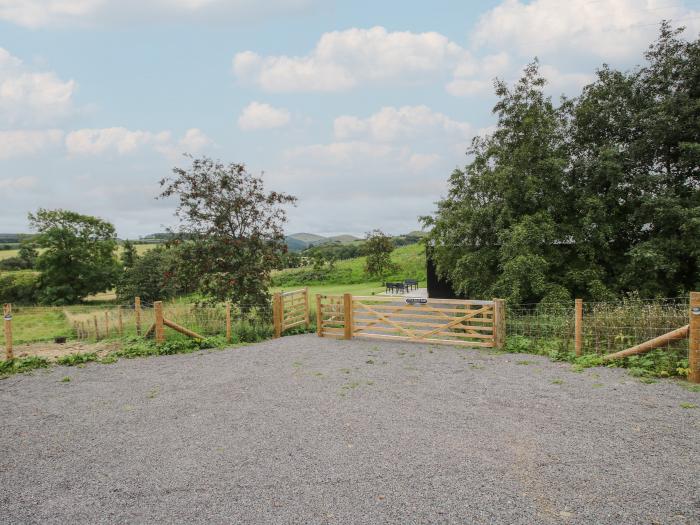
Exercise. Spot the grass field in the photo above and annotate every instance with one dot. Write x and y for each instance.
(140, 249)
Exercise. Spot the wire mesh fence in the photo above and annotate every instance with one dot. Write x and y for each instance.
(606, 328)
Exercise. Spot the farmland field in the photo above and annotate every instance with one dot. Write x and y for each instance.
(140, 249)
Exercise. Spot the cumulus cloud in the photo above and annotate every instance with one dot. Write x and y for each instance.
(29, 97)
(122, 141)
(263, 116)
(18, 143)
(41, 13)
(609, 29)
(343, 59)
(391, 124)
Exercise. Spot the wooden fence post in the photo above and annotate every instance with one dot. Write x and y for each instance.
(7, 315)
(121, 321)
(160, 331)
(106, 323)
(137, 314)
(578, 327)
(277, 313)
(307, 320)
(97, 330)
(347, 314)
(694, 338)
(228, 321)
(319, 316)
(499, 323)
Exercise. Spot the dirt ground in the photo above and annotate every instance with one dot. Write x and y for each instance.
(53, 351)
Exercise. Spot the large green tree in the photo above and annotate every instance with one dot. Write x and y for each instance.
(593, 197)
(232, 229)
(77, 259)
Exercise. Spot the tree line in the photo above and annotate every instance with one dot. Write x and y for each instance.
(593, 197)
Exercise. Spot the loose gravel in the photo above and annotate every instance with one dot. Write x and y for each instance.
(310, 430)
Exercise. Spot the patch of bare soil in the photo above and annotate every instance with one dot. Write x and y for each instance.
(53, 351)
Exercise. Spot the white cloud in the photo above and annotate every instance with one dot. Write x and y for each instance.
(263, 116)
(106, 140)
(41, 13)
(27, 142)
(122, 141)
(391, 124)
(476, 77)
(30, 97)
(343, 59)
(609, 29)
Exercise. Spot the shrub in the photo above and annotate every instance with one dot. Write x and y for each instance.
(19, 287)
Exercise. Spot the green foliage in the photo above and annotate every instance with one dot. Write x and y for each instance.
(22, 364)
(158, 274)
(21, 287)
(235, 228)
(76, 359)
(128, 256)
(143, 348)
(592, 198)
(378, 248)
(78, 256)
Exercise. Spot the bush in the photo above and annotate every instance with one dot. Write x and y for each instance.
(15, 263)
(19, 287)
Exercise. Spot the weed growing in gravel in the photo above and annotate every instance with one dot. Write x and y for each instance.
(66, 379)
(22, 364)
(691, 388)
(688, 405)
(597, 385)
(525, 362)
(557, 381)
(109, 359)
(76, 359)
(370, 361)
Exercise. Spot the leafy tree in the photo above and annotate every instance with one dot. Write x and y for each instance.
(378, 248)
(595, 197)
(28, 253)
(158, 274)
(78, 256)
(235, 228)
(129, 255)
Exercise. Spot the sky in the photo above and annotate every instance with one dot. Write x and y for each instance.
(360, 109)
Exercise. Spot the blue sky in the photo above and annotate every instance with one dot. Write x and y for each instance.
(361, 109)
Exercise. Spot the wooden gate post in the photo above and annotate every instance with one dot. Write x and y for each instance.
(578, 327)
(499, 323)
(120, 321)
(307, 321)
(228, 321)
(694, 338)
(160, 331)
(106, 323)
(7, 314)
(137, 313)
(347, 315)
(277, 313)
(319, 316)
(97, 329)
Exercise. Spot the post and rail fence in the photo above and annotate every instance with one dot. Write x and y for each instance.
(592, 327)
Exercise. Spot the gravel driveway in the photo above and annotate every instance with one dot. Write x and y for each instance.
(310, 430)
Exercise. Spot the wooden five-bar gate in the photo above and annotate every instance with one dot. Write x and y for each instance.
(436, 321)
(290, 309)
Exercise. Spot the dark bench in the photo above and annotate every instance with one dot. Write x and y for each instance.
(411, 284)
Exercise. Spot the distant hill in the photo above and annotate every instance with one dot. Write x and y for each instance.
(300, 241)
